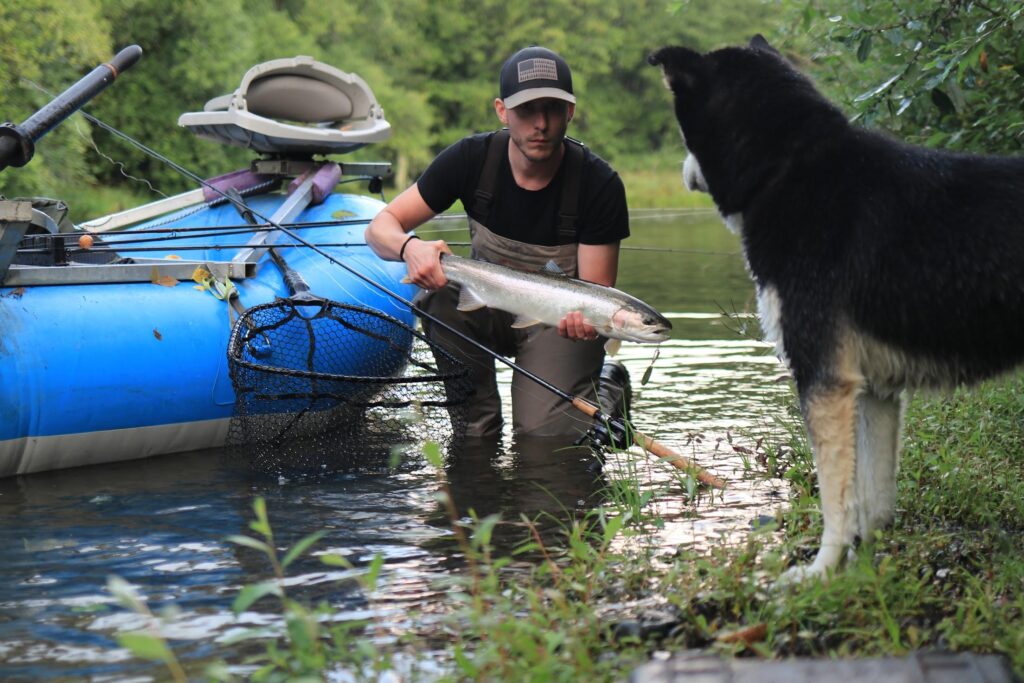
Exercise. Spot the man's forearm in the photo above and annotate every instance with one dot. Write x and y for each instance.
(385, 235)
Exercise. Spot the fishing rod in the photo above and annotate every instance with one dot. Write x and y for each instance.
(115, 247)
(647, 443)
(242, 228)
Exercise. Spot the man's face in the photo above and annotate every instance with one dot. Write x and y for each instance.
(537, 127)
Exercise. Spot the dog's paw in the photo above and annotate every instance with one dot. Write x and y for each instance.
(802, 573)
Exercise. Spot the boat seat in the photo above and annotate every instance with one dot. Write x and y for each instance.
(293, 106)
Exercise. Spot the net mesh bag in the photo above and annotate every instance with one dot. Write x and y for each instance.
(322, 387)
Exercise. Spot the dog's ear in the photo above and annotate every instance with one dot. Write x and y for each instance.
(758, 42)
(680, 66)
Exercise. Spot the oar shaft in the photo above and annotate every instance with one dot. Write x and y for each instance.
(656, 449)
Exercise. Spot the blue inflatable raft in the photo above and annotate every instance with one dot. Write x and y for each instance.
(113, 333)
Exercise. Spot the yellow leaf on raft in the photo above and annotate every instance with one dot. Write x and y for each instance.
(165, 281)
(202, 276)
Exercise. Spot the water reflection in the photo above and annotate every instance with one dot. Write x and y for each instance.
(162, 523)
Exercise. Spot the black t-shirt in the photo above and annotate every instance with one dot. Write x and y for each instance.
(529, 216)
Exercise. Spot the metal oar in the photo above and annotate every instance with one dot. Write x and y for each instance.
(645, 442)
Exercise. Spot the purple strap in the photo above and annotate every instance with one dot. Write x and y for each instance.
(325, 179)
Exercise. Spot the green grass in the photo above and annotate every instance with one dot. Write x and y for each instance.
(948, 574)
(655, 181)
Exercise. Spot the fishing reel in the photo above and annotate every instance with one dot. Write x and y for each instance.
(603, 434)
(615, 396)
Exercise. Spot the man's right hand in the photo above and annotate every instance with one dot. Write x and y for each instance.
(389, 231)
(423, 260)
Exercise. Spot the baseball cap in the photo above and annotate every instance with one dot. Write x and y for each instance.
(532, 73)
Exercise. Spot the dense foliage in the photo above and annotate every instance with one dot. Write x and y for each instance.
(944, 74)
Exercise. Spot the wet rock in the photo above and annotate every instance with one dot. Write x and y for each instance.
(651, 623)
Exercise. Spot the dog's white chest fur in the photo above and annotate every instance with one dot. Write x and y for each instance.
(769, 312)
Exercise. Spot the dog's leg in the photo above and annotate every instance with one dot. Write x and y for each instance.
(831, 413)
(879, 425)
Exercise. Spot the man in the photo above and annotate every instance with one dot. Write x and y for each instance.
(532, 196)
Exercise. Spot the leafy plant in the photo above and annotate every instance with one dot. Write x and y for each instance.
(943, 74)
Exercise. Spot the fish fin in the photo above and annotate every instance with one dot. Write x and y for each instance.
(612, 346)
(522, 321)
(406, 280)
(552, 267)
(469, 301)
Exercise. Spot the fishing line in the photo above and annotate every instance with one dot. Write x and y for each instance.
(89, 139)
(594, 412)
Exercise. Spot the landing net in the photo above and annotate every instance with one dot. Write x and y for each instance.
(322, 386)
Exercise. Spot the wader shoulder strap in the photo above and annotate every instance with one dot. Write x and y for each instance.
(568, 212)
(489, 175)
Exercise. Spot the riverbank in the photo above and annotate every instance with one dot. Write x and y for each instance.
(948, 575)
(601, 597)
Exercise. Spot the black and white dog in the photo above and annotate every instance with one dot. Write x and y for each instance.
(879, 266)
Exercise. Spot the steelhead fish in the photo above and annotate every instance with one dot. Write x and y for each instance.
(546, 296)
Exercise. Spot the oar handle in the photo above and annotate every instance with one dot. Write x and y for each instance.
(658, 450)
(17, 142)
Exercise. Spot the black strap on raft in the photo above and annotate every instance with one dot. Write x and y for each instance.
(568, 213)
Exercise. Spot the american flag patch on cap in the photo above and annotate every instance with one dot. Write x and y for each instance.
(532, 69)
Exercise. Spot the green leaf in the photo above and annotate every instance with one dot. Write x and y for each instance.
(250, 594)
(262, 523)
(301, 547)
(432, 451)
(485, 530)
(877, 90)
(373, 572)
(334, 560)
(146, 646)
(971, 59)
(465, 663)
(864, 49)
(250, 542)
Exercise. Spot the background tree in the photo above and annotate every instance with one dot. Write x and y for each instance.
(947, 74)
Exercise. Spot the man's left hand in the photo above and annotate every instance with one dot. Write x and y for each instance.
(574, 326)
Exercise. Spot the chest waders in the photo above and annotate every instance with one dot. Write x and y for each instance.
(570, 365)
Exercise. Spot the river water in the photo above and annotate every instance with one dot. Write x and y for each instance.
(161, 523)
